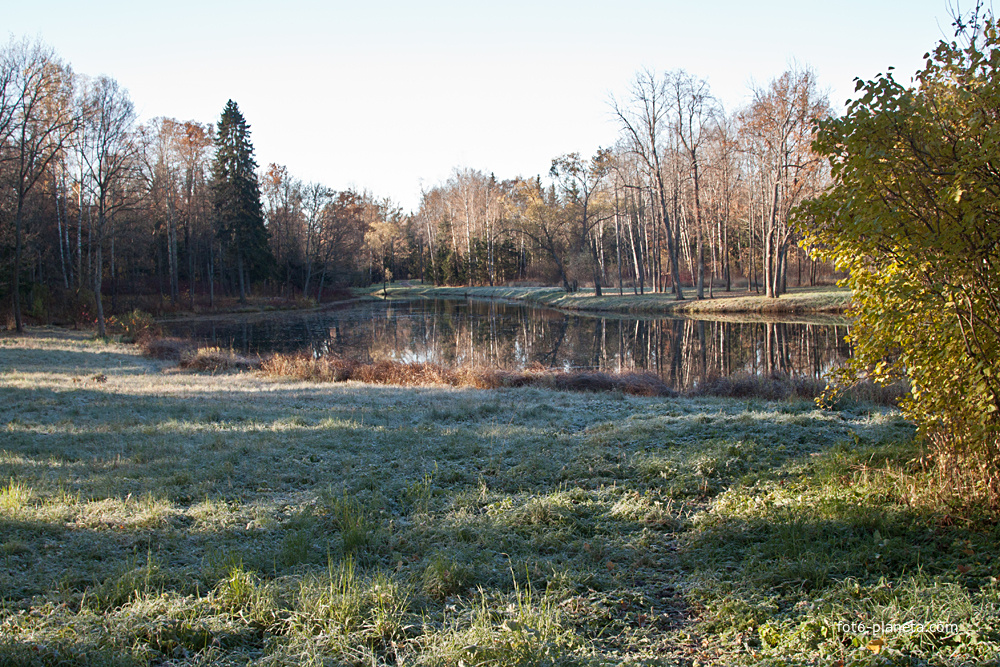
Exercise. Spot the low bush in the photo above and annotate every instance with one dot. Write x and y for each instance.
(168, 349)
(216, 359)
(911, 215)
(135, 327)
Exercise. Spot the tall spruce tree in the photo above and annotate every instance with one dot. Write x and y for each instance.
(239, 215)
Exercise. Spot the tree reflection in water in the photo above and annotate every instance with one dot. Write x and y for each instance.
(512, 335)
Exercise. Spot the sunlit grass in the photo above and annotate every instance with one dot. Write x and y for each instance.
(165, 517)
(14, 497)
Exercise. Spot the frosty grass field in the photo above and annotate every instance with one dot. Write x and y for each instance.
(153, 516)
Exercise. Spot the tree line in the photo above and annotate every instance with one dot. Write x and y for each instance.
(101, 211)
(690, 199)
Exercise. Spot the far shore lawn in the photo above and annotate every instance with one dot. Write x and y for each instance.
(825, 300)
(150, 516)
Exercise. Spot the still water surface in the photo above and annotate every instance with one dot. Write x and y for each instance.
(510, 335)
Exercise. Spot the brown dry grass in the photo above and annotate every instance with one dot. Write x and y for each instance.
(216, 359)
(777, 386)
(304, 366)
(192, 357)
(335, 369)
(169, 349)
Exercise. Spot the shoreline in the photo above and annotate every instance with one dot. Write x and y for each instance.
(251, 312)
(800, 301)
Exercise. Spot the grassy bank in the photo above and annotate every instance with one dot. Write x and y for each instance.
(798, 301)
(150, 516)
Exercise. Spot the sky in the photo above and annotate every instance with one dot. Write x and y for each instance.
(393, 95)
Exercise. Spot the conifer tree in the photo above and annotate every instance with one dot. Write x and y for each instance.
(239, 214)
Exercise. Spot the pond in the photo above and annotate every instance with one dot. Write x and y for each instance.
(457, 332)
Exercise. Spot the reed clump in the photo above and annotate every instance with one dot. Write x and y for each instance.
(194, 357)
(770, 387)
(216, 359)
(168, 349)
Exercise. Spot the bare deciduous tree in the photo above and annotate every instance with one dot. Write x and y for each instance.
(642, 122)
(111, 152)
(36, 119)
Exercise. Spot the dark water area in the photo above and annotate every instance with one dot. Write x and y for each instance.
(455, 332)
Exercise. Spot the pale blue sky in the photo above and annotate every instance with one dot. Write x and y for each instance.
(391, 95)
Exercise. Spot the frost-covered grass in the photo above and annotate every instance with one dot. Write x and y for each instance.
(150, 516)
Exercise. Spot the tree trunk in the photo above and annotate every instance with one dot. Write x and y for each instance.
(172, 252)
(98, 275)
(239, 275)
(636, 264)
(59, 230)
(618, 243)
(16, 278)
(211, 277)
(597, 268)
(562, 274)
(671, 241)
(190, 253)
(751, 271)
(114, 275)
(770, 247)
(699, 235)
(90, 239)
(79, 232)
(319, 290)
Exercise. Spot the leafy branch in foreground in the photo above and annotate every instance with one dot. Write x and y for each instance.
(914, 216)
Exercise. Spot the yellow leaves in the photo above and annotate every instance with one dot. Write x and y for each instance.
(875, 645)
(911, 217)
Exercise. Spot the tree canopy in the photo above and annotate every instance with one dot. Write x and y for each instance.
(914, 216)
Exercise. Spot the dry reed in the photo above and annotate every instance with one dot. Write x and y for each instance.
(336, 369)
(216, 359)
(169, 349)
(305, 366)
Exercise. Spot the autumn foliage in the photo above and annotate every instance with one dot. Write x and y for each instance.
(914, 215)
